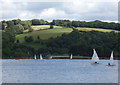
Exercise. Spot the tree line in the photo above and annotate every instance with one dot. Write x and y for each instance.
(92, 24)
(19, 26)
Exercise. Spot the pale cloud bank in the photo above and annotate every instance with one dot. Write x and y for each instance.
(84, 10)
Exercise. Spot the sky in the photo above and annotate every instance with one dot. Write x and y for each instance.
(83, 10)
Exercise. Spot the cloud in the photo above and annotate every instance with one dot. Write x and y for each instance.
(92, 10)
(74, 10)
(52, 13)
(26, 15)
(78, 6)
(10, 10)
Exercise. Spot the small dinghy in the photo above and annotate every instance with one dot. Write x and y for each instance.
(41, 57)
(71, 56)
(95, 58)
(35, 57)
(111, 60)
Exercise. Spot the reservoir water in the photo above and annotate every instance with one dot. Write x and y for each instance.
(58, 71)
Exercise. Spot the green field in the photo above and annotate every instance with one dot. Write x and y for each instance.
(46, 33)
(95, 29)
(38, 27)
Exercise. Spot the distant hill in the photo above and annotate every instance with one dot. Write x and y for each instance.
(24, 39)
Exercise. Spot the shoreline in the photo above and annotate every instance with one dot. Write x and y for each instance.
(51, 59)
(64, 57)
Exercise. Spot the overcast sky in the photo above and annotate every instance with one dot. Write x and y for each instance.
(83, 10)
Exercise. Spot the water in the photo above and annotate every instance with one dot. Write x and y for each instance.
(58, 71)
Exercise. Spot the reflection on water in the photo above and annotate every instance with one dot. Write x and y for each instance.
(58, 71)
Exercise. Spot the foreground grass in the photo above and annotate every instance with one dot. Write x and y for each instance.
(44, 34)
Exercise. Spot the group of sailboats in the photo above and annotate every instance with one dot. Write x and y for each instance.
(95, 58)
(35, 57)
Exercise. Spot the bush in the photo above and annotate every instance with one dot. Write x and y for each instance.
(51, 27)
(17, 41)
(28, 39)
(30, 30)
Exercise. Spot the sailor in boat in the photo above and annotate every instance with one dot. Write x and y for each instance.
(109, 64)
(96, 62)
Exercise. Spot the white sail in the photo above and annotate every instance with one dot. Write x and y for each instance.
(95, 57)
(41, 57)
(111, 58)
(71, 56)
(35, 57)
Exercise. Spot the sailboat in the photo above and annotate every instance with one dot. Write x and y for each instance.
(41, 57)
(71, 56)
(95, 58)
(111, 60)
(35, 57)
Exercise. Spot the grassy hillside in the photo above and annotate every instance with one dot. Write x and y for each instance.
(42, 27)
(44, 33)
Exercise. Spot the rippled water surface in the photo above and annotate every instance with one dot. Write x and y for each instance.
(58, 71)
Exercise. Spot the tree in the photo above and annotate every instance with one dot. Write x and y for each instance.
(10, 23)
(51, 26)
(8, 38)
(39, 22)
(17, 41)
(26, 24)
(38, 37)
(30, 30)
(19, 29)
(16, 21)
(4, 25)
